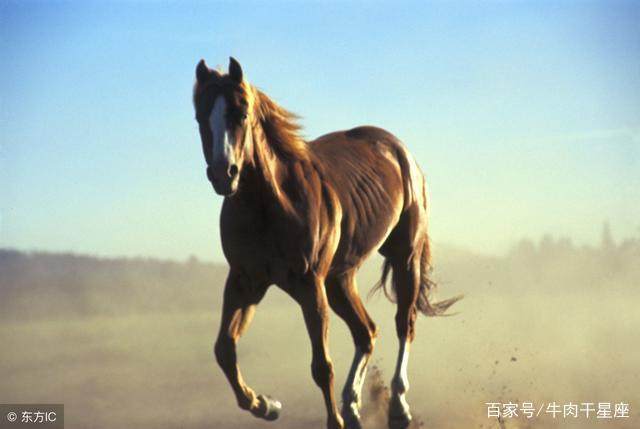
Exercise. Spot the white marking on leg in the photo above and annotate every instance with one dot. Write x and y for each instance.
(400, 381)
(352, 392)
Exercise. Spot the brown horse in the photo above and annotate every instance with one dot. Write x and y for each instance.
(304, 216)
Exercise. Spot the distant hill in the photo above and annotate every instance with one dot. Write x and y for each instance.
(51, 286)
(46, 285)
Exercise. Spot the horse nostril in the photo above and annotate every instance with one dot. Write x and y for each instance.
(233, 171)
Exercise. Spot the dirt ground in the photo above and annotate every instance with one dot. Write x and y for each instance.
(519, 336)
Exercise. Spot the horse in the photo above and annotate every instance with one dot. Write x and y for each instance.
(304, 215)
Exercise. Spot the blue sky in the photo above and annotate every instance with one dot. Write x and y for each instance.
(524, 115)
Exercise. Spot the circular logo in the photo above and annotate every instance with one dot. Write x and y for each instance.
(12, 417)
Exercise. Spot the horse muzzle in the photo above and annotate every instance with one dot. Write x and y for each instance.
(224, 184)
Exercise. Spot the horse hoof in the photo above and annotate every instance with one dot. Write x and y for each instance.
(399, 421)
(269, 408)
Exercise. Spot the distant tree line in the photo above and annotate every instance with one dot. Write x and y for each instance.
(63, 285)
(42, 285)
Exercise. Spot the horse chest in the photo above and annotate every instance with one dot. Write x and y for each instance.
(259, 242)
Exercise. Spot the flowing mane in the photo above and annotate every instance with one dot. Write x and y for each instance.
(280, 127)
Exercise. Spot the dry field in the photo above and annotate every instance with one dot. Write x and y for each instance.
(123, 353)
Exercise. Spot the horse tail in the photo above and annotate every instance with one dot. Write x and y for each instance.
(426, 305)
(425, 302)
(415, 195)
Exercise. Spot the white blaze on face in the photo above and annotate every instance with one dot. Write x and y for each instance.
(222, 143)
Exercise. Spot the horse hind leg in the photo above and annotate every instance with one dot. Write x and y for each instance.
(346, 303)
(406, 281)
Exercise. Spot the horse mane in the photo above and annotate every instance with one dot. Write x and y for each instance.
(284, 159)
(281, 128)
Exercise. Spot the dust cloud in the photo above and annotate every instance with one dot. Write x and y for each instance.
(127, 343)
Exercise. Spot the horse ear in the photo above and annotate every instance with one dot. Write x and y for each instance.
(203, 72)
(235, 71)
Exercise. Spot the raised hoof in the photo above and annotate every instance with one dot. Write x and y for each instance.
(269, 408)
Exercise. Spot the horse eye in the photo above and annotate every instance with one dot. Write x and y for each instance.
(243, 116)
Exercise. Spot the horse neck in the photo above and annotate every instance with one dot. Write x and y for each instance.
(268, 172)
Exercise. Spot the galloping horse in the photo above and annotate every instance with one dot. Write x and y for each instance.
(304, 216)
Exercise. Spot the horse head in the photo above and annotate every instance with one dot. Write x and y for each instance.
(223, 106)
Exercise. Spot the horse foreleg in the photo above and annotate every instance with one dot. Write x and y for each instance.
(238, 308)
(313, 300)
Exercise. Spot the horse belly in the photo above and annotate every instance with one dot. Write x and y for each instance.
(364, 231)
